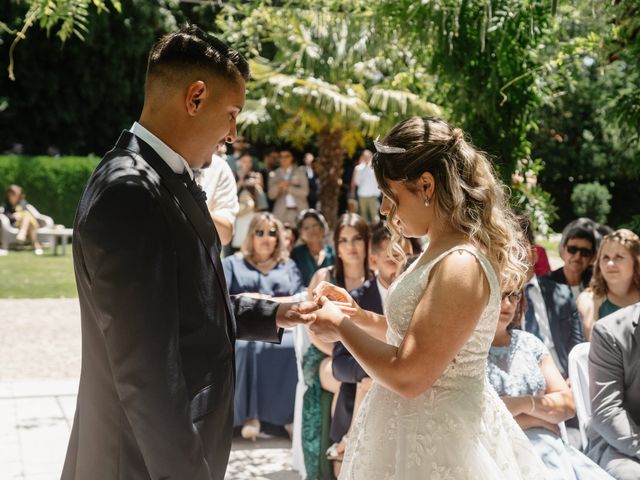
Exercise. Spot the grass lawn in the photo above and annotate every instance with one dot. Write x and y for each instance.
(24, 275)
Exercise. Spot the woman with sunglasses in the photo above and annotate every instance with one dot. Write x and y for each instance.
(523, 373)
(266, 373)
(616, 279)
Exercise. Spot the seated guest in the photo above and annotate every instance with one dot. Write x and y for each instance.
(525, 376)
(354, 380)
(616, 278)
(266, 373)
(314, 252)
(351, 270)
(15, 208)
(551, 313)
(614, 363)
(577, 249)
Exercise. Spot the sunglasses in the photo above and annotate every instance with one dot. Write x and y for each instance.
(272, 233)
(584, 252)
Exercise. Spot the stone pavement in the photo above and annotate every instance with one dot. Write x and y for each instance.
(39, 369)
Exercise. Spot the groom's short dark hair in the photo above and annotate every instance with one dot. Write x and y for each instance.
(192, 49)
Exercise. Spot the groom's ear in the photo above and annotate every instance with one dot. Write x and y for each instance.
(196, 94)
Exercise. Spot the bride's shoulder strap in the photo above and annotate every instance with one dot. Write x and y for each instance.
(484, 263)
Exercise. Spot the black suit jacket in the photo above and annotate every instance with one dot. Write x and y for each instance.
(158, 327)
(346, 369)
(559, 277)
(564, 321)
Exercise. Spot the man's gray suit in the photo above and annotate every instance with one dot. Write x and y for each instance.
(614, 371)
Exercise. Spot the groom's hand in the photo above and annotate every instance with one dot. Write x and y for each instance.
(291, 314)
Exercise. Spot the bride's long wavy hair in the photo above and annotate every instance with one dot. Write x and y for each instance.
(468, 193)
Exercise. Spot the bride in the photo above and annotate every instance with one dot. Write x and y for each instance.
(431, 413)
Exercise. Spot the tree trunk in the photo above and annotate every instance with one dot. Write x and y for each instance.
(330, 169)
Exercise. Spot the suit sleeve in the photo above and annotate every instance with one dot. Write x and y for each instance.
(577, 334)
(606, 372)
(345, 368)
(256, 319)
(132, 266)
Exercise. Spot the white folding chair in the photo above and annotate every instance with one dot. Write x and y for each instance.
(579, 376)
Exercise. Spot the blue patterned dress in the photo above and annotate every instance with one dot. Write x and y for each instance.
(515, 371)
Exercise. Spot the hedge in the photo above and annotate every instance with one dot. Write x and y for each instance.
(52, 184)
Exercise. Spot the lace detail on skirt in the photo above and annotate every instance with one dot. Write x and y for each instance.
(457, 429)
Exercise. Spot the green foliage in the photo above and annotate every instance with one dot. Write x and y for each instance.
(78, 95)
(321, 69)
(633, 224)
(528, 198)
(591, 200)
(624, 47)
(485, 57)
(52, 185)
(71, 17)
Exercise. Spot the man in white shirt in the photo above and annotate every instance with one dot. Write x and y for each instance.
(364, 179)
(219, 183)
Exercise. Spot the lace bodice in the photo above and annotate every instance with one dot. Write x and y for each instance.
(405, 294)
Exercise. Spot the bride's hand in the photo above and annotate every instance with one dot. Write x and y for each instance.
(340, 298)
(327, 321)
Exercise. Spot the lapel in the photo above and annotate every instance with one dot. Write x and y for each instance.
(202, 225)
(552, 307)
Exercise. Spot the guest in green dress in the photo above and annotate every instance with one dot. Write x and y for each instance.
(616, 279)
(314, 252)
(351, 270)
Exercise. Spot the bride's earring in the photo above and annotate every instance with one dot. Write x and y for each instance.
(426, 202)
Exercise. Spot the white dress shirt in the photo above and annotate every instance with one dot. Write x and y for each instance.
(290, 202)
(534, 295)
(383, 291)
(366, 180)
(219, 184)
(171, 158)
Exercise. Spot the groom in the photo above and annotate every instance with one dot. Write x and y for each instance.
(158, 326)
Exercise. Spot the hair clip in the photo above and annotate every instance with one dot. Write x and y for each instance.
(382, 148)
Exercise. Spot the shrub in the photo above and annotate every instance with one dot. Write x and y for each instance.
(633, 224)
(52, 185)
(591, 200)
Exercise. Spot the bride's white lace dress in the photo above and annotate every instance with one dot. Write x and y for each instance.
(459, 428)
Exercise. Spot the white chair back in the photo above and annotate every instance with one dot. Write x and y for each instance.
(579, 376)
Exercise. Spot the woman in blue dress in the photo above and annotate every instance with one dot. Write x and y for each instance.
(314, 252)
(523, 373)
(266, 373)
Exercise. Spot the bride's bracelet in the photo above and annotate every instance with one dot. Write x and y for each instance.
(533, 405)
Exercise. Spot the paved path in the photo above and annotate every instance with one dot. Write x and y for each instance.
(40, 366)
